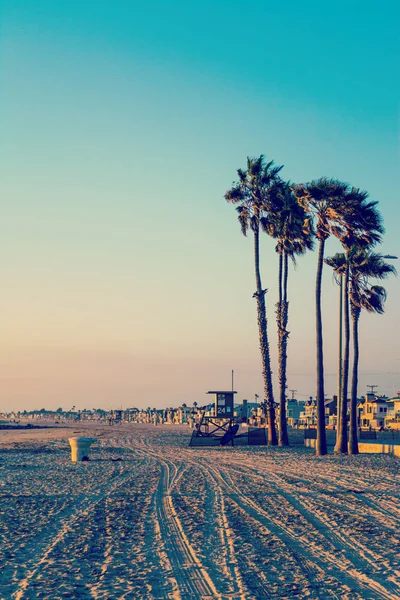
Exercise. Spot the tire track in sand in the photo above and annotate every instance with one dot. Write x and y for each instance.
(67, 525)
(357, 553)
(354, 580)
(191, 577)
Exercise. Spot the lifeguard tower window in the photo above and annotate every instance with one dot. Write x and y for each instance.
(223, 404)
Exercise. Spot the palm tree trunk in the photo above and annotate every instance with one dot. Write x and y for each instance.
(283, 338)
(353, 438)
(342, 439)
(279, 308)
(264, 344)
(339, 383)
(280, 280)
(279, 312)
(320, 448)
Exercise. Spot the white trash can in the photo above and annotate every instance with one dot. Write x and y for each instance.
(80, 448)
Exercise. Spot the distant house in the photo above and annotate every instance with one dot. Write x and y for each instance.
(375, 410)
(183, 414)
(294, 408)
(308, 416)
(331, 411)
(245, 410)
(392, 420)
(130, 414)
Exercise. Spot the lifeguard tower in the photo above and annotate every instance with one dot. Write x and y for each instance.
(217, 425)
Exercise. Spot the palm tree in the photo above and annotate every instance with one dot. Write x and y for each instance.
(362, 227)
(364, 265)
(338, 264)
(252, 194)
(323, 199)
(292, 228)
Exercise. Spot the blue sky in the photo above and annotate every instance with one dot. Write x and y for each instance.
(126, 278)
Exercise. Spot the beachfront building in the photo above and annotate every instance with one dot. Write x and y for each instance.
(169, 416)
(245, 410)
(294, 408)
(374, 411)
(183, 414)
(258, 418)
(137, 415)
(392, 419)
(331, 412)
(130, 414)
(308, 416)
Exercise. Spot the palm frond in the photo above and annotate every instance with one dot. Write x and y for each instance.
(338, 263)
(365, 265)
(244, 217)
(235, 194)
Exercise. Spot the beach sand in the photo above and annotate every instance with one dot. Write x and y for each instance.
(149, 517)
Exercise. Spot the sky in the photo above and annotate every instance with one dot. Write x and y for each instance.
(125, 277)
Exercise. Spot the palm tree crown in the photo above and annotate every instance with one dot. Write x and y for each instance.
(323, 198)
(251, 192)
(288, 222)
(366, 265)
(363, 266)
(362, 222)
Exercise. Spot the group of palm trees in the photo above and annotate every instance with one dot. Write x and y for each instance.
(295, 215)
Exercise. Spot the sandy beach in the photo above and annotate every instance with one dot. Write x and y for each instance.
(149, 517)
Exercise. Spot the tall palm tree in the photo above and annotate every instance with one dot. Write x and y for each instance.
(290, 225)
(364, 265)
(338, 264)
(323, 199)
(362, 227)
(252, 194)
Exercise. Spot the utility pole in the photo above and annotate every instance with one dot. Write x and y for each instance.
(372, 388)
(293, 391)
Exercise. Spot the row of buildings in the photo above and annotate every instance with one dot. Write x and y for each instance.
(178, 416)
(374, 412)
